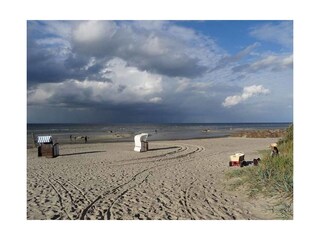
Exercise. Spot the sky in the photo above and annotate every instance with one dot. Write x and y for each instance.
(159, 71)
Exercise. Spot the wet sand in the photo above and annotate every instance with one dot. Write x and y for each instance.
(173, 180)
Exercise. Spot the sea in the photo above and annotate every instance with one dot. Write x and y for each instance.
(66, 132)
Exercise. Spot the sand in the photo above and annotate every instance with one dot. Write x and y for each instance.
(173, 180)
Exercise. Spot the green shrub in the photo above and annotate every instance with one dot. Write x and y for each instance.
(274, 176)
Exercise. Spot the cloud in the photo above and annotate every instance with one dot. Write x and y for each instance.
(247, 92)
(226, 61)
(92, 32)
(143, 87)
(155, 100)
(271, 62)
(166, 49)
(280, 33)
(119, 68)
(60, 50)
(188, 86)
(47, 50)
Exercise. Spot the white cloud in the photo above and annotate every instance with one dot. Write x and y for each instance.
(94, 31)
(281, 33)
(40, 95)
(182, 33)
(160, 47)
(92, 61)
(269, 62)
(150, 25)
(154, 46)
(155, 100)
(275, 62)
(247, 92)
(142, 87)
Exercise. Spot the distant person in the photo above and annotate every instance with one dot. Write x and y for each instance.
(85, 139)
(71, 138)
(274, 152)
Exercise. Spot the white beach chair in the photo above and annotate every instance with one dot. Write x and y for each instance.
(140, 141)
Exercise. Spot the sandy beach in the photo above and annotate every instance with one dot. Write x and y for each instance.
(175, 180)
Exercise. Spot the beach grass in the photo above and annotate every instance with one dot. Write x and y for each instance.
(273, 177)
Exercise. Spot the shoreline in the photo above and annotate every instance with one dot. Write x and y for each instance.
(124, 137)
(119, 140)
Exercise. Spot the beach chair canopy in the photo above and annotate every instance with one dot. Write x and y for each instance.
(141, 137)
(138, 139)
(44, 139)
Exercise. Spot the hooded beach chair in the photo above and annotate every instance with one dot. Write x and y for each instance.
(140, 141)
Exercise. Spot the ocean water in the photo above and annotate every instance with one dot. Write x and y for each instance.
(99, 132)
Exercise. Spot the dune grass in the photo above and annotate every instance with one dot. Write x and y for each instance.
(273, 176)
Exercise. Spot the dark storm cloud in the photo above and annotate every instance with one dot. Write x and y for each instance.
(109, 112)
(42, 65)
(81, 68)
(75, 61)
(49, 55)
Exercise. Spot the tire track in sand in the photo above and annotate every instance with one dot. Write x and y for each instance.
(162, 164)
(135, 181)
(188, 154)
(62, 206)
